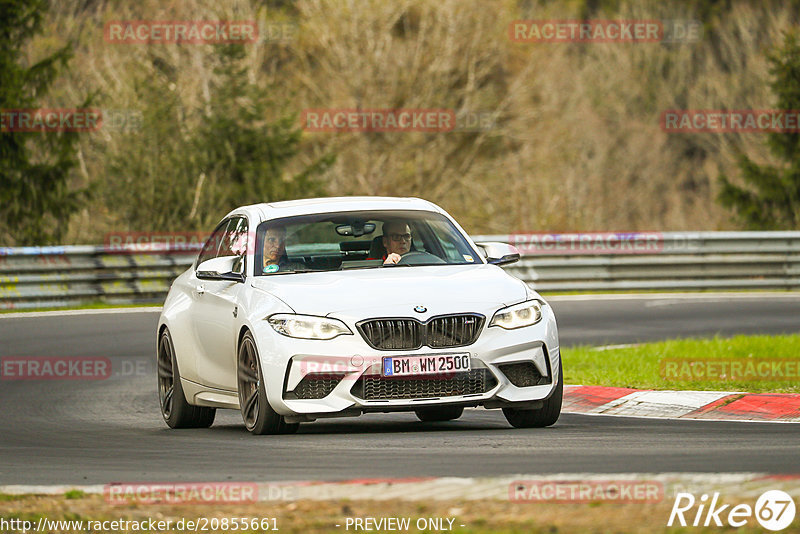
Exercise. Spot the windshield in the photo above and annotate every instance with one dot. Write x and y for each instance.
(359, 240)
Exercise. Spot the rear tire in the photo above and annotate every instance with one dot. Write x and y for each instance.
(258, 416)
(177, 413)
(545, 416)
(439, 413)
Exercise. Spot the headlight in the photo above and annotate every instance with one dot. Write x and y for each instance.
(518, 315)
(307, 326)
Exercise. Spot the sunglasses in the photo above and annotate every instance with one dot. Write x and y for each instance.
(400, 237)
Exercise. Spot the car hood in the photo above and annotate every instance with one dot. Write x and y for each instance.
(395, 291)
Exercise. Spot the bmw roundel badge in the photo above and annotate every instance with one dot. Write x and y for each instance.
(420, 309)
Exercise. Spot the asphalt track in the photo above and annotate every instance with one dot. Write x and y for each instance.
(92, 432)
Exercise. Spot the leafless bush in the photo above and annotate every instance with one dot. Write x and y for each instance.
(576, 144)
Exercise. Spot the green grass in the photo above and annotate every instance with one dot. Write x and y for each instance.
(644, 366)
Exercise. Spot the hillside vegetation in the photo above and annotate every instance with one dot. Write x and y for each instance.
(575, 145)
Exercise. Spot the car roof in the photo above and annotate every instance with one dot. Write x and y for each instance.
(288, 208)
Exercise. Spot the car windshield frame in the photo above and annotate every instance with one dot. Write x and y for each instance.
(434, 235)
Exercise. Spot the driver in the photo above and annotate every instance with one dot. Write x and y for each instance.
(396, 240)
(275, 258)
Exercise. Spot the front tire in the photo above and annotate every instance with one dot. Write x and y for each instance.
(177, 413)
(439, 413)
(545, 416)
(259, 417)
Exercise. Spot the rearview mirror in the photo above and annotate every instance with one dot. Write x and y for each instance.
(499, 253)
(221, 268)
(356, 229)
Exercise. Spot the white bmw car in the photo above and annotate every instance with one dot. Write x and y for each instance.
(336, 307)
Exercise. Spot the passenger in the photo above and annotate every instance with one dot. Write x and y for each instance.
(275, 258)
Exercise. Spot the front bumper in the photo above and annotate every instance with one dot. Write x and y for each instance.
(344, 365)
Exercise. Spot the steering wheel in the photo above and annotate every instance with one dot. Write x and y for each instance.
(417, 258)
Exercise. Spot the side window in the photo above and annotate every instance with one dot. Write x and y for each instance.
(212, 245)
(234, 242)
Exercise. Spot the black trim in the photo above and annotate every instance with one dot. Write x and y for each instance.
(229, 277)
(424, 330)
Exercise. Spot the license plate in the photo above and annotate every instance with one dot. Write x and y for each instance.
(425, 364)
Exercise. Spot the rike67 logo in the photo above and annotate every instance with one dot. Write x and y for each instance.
(774, 510)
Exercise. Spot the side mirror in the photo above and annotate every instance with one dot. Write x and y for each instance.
(222, 268)
(499, 253)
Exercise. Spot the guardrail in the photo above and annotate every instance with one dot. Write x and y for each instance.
(34, 277)
(655, 261)
(66, 275)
